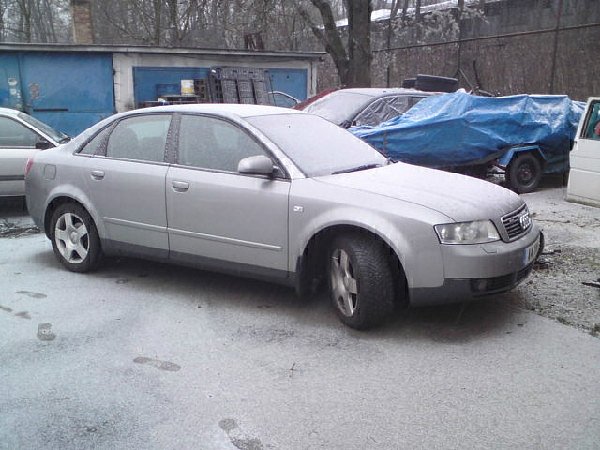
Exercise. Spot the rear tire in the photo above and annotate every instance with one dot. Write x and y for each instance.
(524, 173)
(361, 283)
(75, 238)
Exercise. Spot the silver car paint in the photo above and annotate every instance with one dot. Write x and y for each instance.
(130, 199)
(238, 218)
(458, 197)
(12, 160)
(399, 203)
(406, 228)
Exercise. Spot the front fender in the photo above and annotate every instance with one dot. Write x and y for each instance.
(506, 158)
(413, 241)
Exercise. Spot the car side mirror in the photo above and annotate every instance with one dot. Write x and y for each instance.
(257, 165)
(43, 144)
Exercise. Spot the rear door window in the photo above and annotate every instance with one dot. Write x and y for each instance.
(140, 138)
(96, 145)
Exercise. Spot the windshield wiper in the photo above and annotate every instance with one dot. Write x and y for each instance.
(64, 140)
(358, 169)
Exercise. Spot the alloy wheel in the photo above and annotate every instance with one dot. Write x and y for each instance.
(343, 282)
(71, 238)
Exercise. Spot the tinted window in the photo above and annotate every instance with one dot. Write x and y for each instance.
(211, 143)
(15, 134)
(93, 147)
(316, 146)
(591, 129)
(142, 137)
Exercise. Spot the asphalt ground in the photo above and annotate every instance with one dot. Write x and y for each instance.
(152, 356)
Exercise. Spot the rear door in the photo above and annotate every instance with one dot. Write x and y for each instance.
(217, 216)
(584, 177)
(126, 184)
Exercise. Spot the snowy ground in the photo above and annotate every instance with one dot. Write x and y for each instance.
(555, 289)
(156, 356)
(565, 284)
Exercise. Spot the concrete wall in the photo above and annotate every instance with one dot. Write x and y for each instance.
(516, 64)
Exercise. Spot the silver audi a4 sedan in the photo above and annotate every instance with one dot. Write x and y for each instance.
(284, 195)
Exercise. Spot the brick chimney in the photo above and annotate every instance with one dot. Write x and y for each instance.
(81, 13)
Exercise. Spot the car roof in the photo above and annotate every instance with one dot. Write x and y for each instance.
(9, 112)
(223, 109)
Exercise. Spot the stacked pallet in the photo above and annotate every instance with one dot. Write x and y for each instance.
(240, 85)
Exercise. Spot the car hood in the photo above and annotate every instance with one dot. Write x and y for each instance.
(459, 197)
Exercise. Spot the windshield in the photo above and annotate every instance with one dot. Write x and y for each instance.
(316, 146)
(56, 136)
(339, 106)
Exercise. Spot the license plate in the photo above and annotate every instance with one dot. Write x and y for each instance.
(531, 252)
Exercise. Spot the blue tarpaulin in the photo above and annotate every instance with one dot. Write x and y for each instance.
(459, 129)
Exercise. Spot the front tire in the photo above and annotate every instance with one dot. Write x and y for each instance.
(75, 238)
(361, 283)
(524, 173)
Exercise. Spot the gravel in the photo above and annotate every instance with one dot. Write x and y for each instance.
(565, 283)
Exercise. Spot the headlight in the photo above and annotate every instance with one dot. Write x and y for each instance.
(476, 232)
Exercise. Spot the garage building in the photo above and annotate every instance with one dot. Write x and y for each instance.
(71, 87)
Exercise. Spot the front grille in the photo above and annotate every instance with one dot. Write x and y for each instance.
(517, 222)
(499, 283)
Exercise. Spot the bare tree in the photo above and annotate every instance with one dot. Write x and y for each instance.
(353, 60)
(34, 20)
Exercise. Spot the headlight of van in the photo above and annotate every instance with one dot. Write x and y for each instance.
(476, 232)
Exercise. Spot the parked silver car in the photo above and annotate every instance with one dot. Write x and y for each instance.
(364, 106)
(21, 136)
(279, 194)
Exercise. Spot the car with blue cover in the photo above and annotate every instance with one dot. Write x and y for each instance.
(524, 135)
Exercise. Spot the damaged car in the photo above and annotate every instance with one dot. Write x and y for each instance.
(247, 190)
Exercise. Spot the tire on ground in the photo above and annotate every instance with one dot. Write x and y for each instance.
(524, 173)
(370, 268)
(90, 241)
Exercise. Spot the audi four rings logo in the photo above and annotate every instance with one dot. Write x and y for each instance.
(525, 221)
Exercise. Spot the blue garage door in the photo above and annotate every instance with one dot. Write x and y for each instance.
(10, 82)
(149, 83)
(68, 91)
(291, 81)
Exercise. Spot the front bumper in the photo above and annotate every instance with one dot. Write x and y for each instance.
(472, 271)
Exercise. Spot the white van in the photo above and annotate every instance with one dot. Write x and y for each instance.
(584, 177)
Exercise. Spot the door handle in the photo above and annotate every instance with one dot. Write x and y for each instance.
(180, 186)
(97, 174)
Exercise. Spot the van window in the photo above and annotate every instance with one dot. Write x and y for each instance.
(591, 129)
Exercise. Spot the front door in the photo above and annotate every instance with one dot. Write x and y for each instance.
(218, 216)
(17, 144)
(584, 177)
